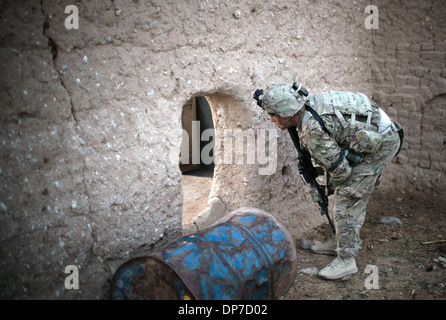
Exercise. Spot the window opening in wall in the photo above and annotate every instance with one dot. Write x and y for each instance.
(196, 158)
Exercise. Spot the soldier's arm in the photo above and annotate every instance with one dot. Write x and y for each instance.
(325, 151)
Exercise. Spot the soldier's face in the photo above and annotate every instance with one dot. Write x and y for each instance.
(282, 122)
(275, 119)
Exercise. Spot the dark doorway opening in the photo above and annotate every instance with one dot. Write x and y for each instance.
(197, 158)
(197, 122)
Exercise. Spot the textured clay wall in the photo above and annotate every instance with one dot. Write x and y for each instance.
(409, 75)
(91, 122)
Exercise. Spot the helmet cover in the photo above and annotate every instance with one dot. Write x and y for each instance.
(283, 100)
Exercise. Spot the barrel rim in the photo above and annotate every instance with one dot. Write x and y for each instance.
(178, 275)
(141, 260)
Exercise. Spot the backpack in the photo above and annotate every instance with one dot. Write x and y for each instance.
(355, 112)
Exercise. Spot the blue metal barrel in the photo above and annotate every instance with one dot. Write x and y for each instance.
(247, 255)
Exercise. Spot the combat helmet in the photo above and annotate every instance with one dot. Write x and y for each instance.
(284, 99)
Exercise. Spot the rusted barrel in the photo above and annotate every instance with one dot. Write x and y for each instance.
(247, 255)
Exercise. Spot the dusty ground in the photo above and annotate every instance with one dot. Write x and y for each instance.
(195, 195)
(408, 269)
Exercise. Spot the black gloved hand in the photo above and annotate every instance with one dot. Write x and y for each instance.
(256, 96)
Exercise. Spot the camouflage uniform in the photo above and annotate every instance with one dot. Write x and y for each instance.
(344, 113)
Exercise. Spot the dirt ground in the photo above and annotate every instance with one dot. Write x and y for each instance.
(407, 268)
(406, 256)
(195, 195)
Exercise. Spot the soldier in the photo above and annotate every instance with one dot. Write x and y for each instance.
(353, 140)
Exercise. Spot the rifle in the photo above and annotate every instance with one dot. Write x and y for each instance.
(309, 174)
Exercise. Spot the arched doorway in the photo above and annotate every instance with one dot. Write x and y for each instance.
(196, 158)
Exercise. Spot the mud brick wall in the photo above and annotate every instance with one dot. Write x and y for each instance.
(409, 76)
(91, 122)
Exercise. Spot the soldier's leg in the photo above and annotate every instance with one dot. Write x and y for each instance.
(350, 200)
(351, 197)
(350, 204)
(349, 215)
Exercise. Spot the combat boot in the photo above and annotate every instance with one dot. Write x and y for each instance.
(338, 268)
(328, 247)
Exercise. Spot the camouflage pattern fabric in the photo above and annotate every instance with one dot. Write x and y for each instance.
(282, 100)
(353, 185)
(351, 196)
(366, 141)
